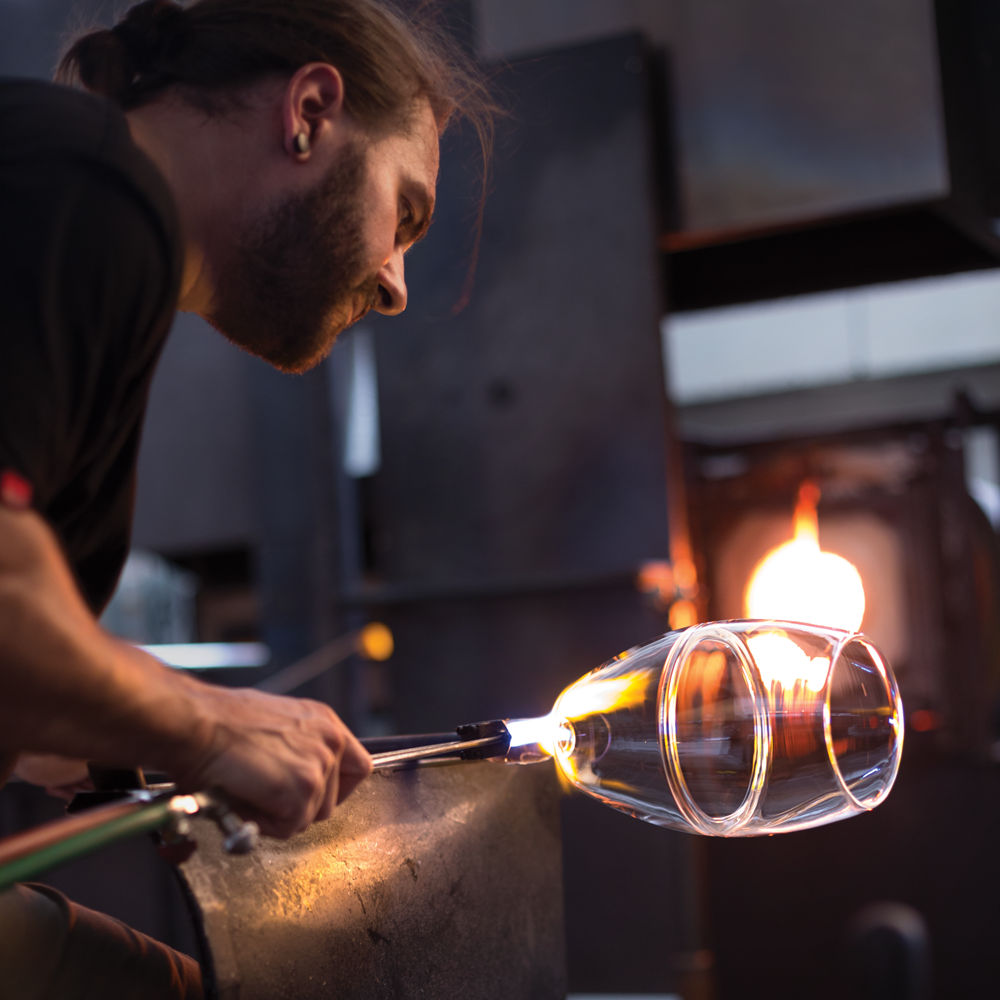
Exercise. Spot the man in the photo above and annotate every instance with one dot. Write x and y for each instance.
(265, 164)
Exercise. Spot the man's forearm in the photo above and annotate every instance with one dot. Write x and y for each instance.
(66, 685)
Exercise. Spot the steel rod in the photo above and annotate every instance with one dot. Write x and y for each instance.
(390, 757)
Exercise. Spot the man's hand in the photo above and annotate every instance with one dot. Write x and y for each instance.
(284, 762)
(69, 688)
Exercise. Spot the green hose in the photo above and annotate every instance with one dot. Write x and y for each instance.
(145, 819)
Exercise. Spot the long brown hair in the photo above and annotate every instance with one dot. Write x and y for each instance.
(206, 51)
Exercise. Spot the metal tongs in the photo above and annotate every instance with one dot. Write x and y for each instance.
(476, 741)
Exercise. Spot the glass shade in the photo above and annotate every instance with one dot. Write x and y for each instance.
(733, 728)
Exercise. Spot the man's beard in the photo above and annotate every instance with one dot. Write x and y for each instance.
(296, 276)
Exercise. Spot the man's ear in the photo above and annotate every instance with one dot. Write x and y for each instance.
(312, 108)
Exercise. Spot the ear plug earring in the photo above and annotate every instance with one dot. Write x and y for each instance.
(301, 143)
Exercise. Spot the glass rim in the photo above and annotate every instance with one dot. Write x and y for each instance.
(893, 697)
(667, 719)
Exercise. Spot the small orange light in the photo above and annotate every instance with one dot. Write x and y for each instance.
(656, 577)
(923, 720)
(375, 641)
(682, 615)
(685, 575)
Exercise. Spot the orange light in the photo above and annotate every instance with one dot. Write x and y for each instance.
(682, 615)
(798, 582)
(375, 641)
(924, 720)
(656, 578)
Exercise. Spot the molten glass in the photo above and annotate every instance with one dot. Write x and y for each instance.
(729, 729)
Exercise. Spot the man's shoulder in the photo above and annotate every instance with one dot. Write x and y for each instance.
(41, 115)
(51, 124)
(16, 90)
(77, 146)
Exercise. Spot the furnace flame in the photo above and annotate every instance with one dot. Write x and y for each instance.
(798, 582)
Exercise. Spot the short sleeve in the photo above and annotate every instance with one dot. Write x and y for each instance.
(88, 283)
(84, 277)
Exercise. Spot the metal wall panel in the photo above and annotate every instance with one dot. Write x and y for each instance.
(524, 438)
(791, 110)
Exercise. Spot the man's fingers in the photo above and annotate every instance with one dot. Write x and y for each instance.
(355, 766)
(286, 762)
(353, 762)
(290, 802)
(317, 783)
(326, 788)
(331, 795)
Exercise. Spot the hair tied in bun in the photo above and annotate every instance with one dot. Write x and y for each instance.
(147, 29)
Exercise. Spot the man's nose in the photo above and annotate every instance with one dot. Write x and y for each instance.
(391, 300)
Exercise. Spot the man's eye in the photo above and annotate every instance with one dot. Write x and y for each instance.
(405, 216)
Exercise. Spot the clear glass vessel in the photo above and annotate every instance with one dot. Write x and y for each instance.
(730, 729)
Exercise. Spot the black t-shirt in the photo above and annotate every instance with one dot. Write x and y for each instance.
(90, 265)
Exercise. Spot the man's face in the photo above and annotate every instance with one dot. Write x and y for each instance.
(310, 265)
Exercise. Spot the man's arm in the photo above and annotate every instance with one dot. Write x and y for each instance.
(68, 687)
